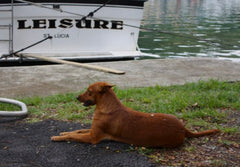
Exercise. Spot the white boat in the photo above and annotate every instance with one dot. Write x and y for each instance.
(111, 32)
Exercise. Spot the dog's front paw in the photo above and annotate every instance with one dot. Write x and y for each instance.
(57, 138)
(64, 133)
(54, 138)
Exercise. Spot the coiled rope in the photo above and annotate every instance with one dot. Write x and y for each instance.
(23, 111)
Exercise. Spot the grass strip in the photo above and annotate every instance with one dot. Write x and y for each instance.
(204, 104)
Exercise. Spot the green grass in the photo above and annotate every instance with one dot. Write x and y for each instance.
(198, 103)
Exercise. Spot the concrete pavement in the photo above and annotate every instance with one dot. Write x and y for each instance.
(54, 79)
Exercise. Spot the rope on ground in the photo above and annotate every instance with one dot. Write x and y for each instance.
(23, 111)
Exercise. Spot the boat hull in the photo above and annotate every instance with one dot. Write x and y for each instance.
(106, 33)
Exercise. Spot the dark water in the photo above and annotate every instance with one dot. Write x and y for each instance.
(211, 27)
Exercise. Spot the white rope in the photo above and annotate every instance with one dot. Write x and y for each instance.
(13, 113)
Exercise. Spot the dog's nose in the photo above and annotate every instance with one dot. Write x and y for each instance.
(77, 98)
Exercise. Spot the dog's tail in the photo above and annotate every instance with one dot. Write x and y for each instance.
(188, 133)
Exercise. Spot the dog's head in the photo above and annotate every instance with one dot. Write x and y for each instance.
(93, 93)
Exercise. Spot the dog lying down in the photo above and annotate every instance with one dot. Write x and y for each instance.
(113, 121)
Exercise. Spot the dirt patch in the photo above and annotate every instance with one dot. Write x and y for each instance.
(218, 150)
(25, 145)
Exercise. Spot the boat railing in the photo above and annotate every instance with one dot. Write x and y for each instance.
(9, 27)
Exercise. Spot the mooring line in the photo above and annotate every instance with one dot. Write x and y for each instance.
(36, 43)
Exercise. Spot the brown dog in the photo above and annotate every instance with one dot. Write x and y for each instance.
(113, 121)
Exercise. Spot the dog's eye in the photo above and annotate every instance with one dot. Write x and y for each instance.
(89, 92)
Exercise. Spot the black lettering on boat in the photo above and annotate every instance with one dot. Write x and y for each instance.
(101, 24)
(117, 25)
(39, 24)
(52, 23)
(22, 24)
(65, 23)
(69, 23)
(83, 23)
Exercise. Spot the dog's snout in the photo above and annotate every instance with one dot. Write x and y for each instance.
(77, 98)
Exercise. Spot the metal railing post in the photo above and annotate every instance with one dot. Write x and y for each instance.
(11, 38)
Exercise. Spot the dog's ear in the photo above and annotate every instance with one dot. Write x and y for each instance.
(106, 87)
